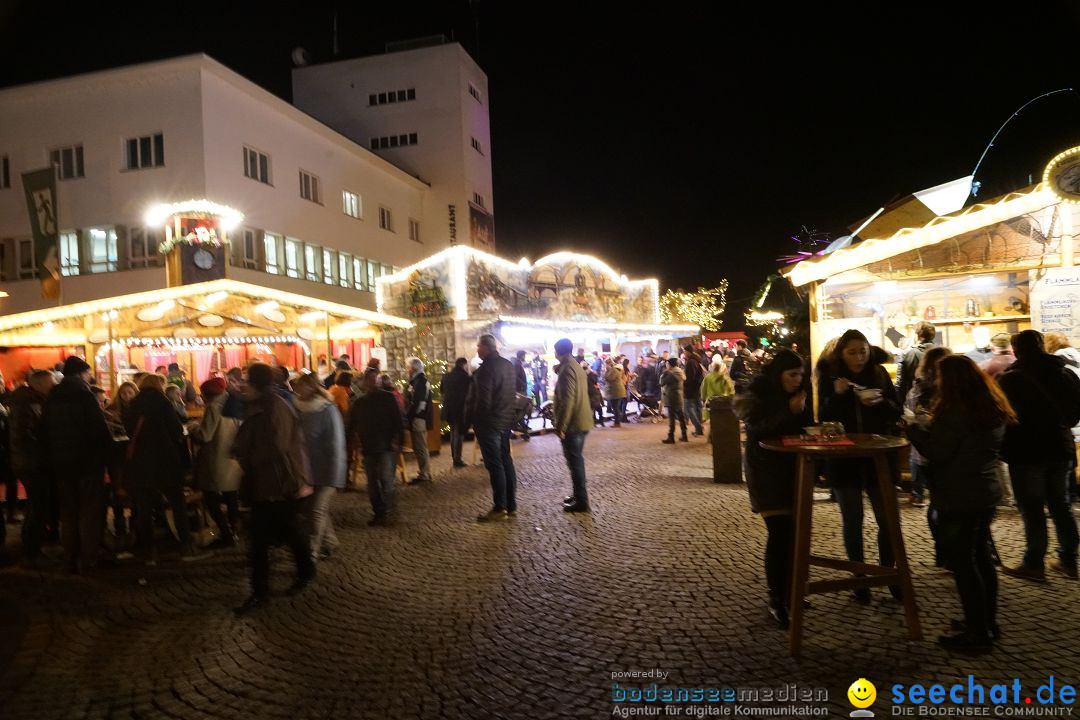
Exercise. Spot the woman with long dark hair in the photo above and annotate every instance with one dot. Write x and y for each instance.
(776, 403)
(854, 389)
(963, 444)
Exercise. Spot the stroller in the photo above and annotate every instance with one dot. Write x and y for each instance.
(648, 406)
(523, 410)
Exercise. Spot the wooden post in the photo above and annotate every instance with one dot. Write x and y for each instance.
(112, 359)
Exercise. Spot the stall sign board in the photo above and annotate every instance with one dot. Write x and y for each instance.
(1055, 302)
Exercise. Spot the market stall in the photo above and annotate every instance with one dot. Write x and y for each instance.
(1004, 265)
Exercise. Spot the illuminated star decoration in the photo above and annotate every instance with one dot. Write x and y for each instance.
(704, 308)
(810, 242)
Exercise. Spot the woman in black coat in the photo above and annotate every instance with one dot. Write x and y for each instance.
(156, 460)
(962, 445)
(847, 380)
(775, 404)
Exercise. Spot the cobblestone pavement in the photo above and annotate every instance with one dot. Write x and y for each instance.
(441, 617)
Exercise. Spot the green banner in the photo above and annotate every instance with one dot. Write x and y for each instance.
(40, 188)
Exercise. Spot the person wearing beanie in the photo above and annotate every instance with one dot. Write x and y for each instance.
(776, 403)
(572, 421)
(75, 443)
(176, 377)
(856, 390)
(270, 448)
(216, 471)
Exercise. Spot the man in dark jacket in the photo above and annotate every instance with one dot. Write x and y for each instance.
(376, 425)
(27, 405)
(1039, 451)
(490, 410)
(909, 363)
(420, 414)
(540, 380)
(270, 448)
(75, 442)
(692, 390)
(455, 385)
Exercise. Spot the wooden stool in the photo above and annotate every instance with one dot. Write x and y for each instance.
(880, 448)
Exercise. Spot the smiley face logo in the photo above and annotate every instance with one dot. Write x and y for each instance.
(862, 693)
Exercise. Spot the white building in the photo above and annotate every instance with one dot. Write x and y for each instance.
(324, 214)
(426, 111)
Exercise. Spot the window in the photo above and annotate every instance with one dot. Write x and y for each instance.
(69, 253)
(344, 262)
(256, 165)
(143, 248)
(69, 160)
(478, 200)
(5, 173)
(249, 259)
(393, 141)
(311, 262)
(309, 187)
(475, 93)
(387, 270)
(270, 247)
(351, 204)
(372, 273)
(392, 96)
(386, 219)
(292, 257)
(414, 230)
(476, 146)
(328, 266)
(27, 266)
(144, 152)
(358, 273)
(102, 250)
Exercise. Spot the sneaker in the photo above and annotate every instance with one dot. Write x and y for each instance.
(576, 508)
(493, 516)
(1065, 568)
(569, 500)
(459, 464)
(1025, 573)
(917, 501)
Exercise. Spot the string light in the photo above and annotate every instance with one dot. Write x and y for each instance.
(704, 308)
(228, 218)
(600, 326)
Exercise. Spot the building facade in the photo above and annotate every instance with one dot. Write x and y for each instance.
(324, 216)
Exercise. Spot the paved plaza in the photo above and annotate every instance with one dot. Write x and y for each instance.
(441, 617)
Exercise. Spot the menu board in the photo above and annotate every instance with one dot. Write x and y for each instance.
(1055, 301)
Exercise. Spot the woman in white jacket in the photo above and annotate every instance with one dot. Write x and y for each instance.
(324, 432)
(217, 472)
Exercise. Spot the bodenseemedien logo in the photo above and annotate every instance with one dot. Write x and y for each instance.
(862, 694)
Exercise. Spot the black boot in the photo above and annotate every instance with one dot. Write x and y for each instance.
(968, 643)
(778, 612)
(670, 440)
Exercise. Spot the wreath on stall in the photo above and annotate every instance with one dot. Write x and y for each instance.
(201, 235)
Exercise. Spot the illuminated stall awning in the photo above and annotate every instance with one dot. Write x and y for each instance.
(519, 331)
(218, 311)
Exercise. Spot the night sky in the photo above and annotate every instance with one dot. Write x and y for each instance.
(686, 141)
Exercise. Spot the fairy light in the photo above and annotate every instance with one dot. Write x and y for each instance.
(228, 218)
(1072, 198)
(601, 326)
(313, 316)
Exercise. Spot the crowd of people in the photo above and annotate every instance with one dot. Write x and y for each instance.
(1004, 414)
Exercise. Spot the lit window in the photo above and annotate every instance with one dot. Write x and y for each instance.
(351, 204)
(69, 253)
(102, 250)
(344, 261)
(311, 262)
(372, 273)
(270, 248)
(328, 266)
(292, 258)
(358, 273)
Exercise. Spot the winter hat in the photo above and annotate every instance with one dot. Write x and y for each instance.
(74, 365)
(213, 387)
(564, 347)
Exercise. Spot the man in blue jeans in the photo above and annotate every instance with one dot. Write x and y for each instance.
(573, 421)
(376, 423)
(1039, 450)
(490, 410)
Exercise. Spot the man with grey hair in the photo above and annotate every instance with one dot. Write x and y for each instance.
(490, 410)
(419, 415)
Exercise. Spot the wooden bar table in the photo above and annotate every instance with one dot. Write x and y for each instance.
(855, 445)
